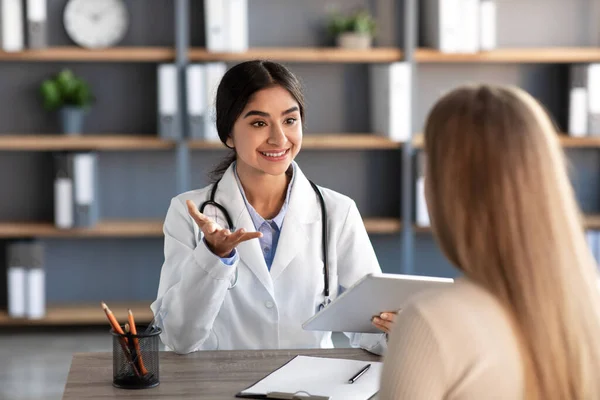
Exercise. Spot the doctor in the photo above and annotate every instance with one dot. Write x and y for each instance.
(249, 270)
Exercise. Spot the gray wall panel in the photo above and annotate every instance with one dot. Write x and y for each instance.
(371, 179)
(336, 97)
(27, 188)
(126, 97)
(532, 23)
(546, 82)
(388, 252)
(109, 270)
(136, 185)
(429, 260)
(583, 167)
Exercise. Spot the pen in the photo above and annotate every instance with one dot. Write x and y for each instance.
(359, 374)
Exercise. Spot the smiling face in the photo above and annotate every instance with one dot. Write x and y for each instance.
(267, 135)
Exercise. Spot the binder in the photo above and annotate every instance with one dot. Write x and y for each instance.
(85, 178)
(215, 25)
(593, 85)
(237, 25)
(317, 378)
(422, 214)
(36, 280)
(214, 74)
(487, 25)
(16, 280)
(169, 124)
(470, 26)
(442, 25)
(390, 94)
(578, 100)
(36, 24)
(64, 212)
(11, 25)
(196, 99)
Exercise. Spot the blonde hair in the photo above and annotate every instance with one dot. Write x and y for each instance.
(504, 212)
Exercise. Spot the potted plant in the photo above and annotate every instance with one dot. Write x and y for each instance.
(71, 96)
(354, 31)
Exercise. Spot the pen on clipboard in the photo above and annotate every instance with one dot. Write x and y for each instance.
(359, 374)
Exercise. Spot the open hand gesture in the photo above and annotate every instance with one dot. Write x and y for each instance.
(221, 241)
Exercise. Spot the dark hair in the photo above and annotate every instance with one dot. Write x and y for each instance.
(236, 88)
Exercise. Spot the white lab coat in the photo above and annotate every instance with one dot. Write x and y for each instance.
(195, 306)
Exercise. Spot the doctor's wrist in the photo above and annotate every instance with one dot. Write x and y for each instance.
(221, 254)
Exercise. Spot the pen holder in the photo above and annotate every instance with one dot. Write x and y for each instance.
(135, 359)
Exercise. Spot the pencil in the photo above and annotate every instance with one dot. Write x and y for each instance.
(136, 342)
(113, 321)
(122, 340)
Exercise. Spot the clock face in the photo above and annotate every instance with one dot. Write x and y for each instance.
(96, 23)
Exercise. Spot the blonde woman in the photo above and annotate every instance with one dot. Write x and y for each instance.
(524, 320)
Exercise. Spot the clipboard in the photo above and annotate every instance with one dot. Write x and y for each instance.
(317, 378)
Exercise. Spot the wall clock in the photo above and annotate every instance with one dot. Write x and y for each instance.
(96, 24)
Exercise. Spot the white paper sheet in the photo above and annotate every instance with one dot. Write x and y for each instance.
(322, 377)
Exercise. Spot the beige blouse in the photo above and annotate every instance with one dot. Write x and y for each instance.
(454, 343)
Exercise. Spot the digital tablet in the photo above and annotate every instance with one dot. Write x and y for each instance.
(373, 294)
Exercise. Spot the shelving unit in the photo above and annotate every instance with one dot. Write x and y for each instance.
(182, 54)
(82, 314)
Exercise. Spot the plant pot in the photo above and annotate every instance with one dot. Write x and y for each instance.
(71, 120)
(352, 40)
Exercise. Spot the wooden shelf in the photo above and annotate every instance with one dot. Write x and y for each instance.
(108, 229)
(103, 229)
(421, 229)
(303, 54)
(579, 142)
(84, 142)
(88, 314)
(565, 140)
(358, 141)
(590, 222)
(514, 55)
(73, 53)
(382, 225)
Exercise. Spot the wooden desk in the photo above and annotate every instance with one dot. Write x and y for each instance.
(204, 375)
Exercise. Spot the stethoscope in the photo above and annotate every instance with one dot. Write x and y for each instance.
(212, 202)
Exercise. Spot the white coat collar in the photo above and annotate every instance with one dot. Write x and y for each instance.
(304, 208)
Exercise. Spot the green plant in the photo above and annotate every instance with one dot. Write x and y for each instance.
(65, 89)
(357, 22)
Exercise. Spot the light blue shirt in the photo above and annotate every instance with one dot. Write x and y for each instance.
(270, 229)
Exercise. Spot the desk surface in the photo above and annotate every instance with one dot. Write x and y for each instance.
(205, 375)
